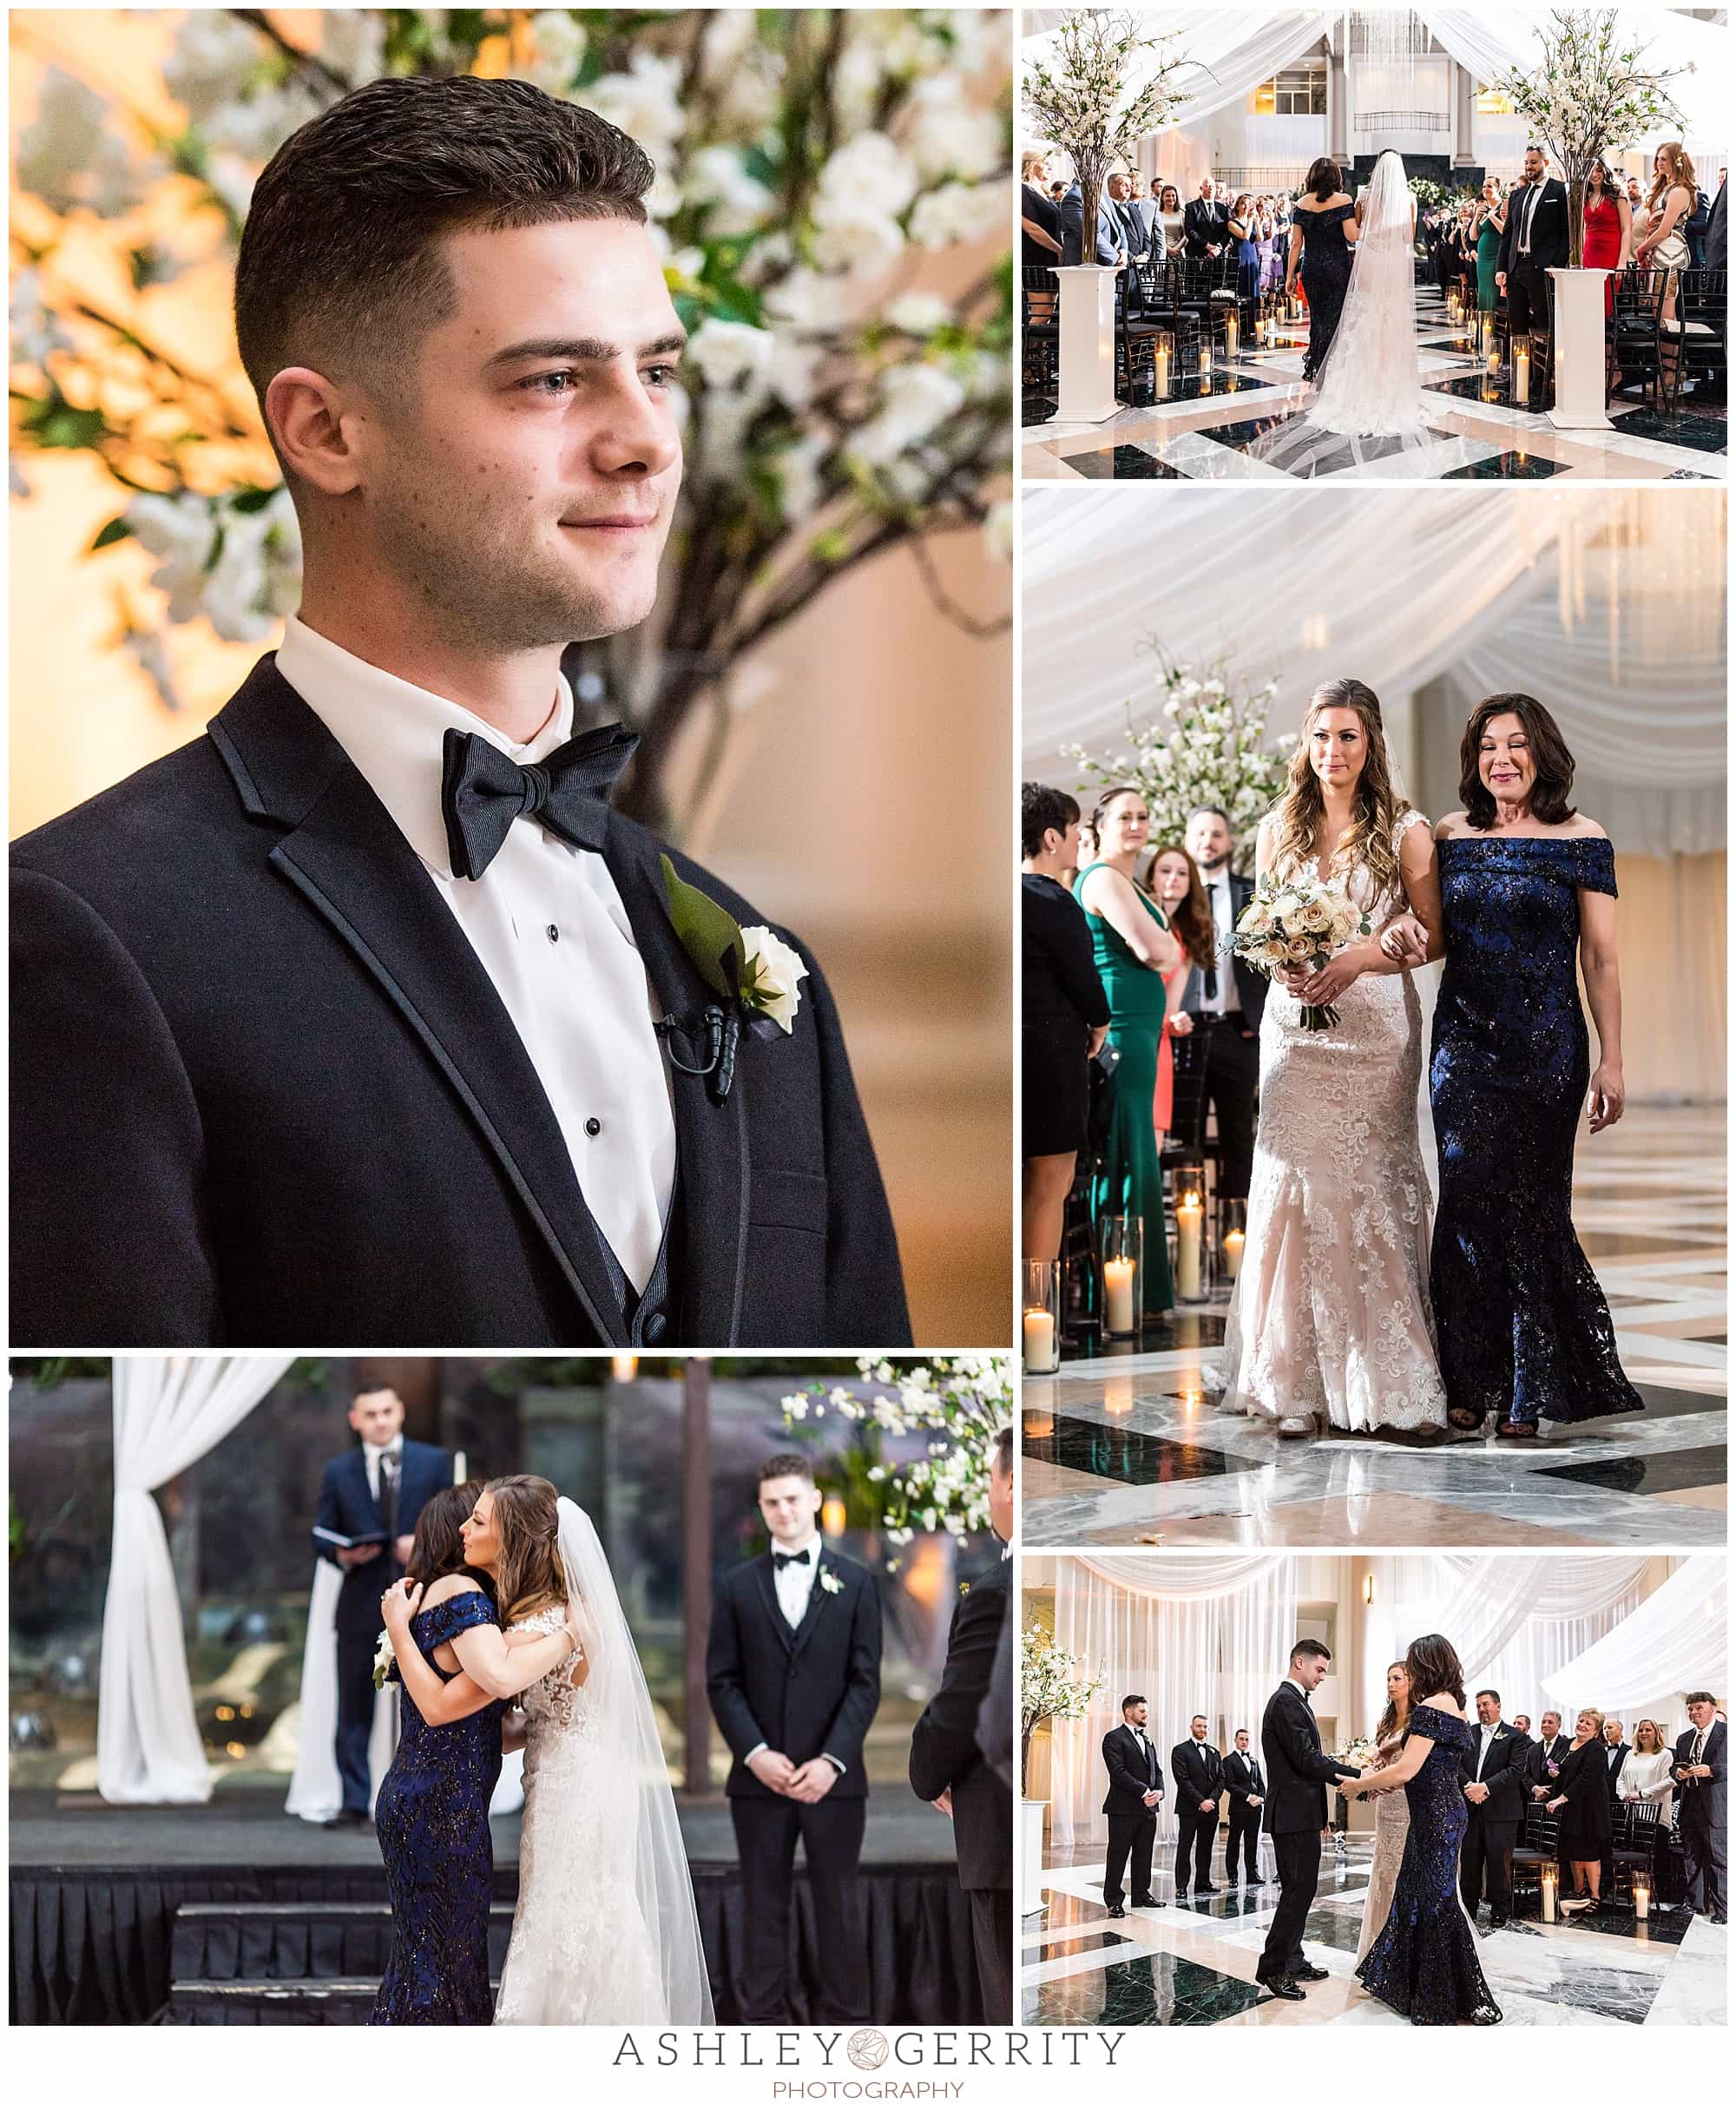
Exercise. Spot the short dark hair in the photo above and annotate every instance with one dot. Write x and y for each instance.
(1217, 812)
(1549, 756)
(340, 259)
(1003, 1449)
(1240, 1732)
(1199, 1717)
(1129, 1702)
(785, 1464)
(1700, 1695)
(1043, 810)
(1308, 1647)
(1494, 1695)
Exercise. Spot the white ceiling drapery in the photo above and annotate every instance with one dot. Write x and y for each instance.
(1180, 1574)
(1675, 1641)
(1398, 588)
(1226, 51)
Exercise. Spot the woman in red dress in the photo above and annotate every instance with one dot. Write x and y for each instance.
(1608, 229)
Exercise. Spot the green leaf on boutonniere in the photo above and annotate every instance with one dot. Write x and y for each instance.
(710, 937)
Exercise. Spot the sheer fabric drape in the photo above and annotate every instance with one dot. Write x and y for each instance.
(1676, 1641)
(168, 1412)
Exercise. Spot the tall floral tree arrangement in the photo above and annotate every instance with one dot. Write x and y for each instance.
(812, 164)
(1592, 96)
(960, 1404)
(1107, 86)
(1053, 1684)
(1197, 737)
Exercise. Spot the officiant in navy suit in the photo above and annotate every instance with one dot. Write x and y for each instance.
(370, 1501)
(793, 1668)
(362, 1016)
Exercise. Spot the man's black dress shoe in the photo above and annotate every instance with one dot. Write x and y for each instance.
(1199, 1891)
(1150, 1900)
(1284, 1987)
(1310, 1972)
(348, 1821)
(1118, 1913)
(1254, 1881)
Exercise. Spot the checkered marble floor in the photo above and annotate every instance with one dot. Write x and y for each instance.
(1195, 1965)
(1125, 1449)
(1216, 429)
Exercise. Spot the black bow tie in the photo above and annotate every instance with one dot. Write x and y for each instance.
(482, 790)
(780, 1561)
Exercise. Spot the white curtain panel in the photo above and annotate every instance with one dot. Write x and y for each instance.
(1676, 1641)
(1186, 1641)
(168, 1412)
(1397, 587)
(1179, 1574)
(1227, 51)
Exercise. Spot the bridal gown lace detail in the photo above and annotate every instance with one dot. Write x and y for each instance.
(1392, 1827)
(580, 1950)
(1330, 1318)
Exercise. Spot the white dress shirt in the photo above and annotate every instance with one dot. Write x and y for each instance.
(371, 1456)
(548, 926)
(1486, 1731)
(1227, 1000)
(794, 1583)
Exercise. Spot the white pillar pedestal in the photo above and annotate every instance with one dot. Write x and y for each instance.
(1580, 374)
(1086, 363)
(1030, 1844)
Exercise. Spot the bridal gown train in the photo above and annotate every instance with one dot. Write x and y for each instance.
(582, 1951)
(1391, 1829)
(1330, 1318)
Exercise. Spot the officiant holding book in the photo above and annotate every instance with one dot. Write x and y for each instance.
(370, 1501)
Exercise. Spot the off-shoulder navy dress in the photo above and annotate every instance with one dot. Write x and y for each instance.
(1523, 1328)
(432, 1820)
(1424, 1963)
(1327, 258)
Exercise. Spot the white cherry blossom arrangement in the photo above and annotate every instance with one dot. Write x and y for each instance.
(1053, 1684)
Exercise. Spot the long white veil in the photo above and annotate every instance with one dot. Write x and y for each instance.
(1371, 384)
(651, 1865)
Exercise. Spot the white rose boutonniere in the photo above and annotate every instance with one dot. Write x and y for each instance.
(831, 1581)
(382, 1659)
(772, 977)
(756, 974)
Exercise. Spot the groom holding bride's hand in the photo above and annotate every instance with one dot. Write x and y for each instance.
(1297, 1771)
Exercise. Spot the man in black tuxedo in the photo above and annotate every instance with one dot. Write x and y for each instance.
(1615, 1752)
(947, 1769)
(1718, 226)
(362, 1016)
(1227, 1001)
(1298, 1771)
(1246, 1786)
(1198, 1769)
(1534, 241)
(1205, 222)
(1698, 1770)
(1543, 1759)
(1493, 1773)
(1136, 1796)
(792, 1666)
(1111, 242)
(370, 1501)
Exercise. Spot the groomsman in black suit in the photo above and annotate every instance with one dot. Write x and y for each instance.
(370, 1501)
(792, 1667)
(1227, 1001)
(1543, 1761)
(1698, 1771)
(1246, 1786)
(1493, 1772)
(1198, 1769)
(1534, 241)
(1298, 1771)
(948, 1769)
(1205, 222)
(1135, 1798)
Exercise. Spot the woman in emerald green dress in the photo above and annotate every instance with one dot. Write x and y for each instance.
(1133, 949)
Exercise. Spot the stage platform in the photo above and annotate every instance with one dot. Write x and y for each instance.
(233, 1912)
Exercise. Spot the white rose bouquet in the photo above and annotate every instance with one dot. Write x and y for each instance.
(1301, 922)
(1359, 1753)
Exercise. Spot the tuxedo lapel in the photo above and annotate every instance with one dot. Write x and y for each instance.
(345, 857)
(768, 1593)
(710, 1138)
(818, 1596)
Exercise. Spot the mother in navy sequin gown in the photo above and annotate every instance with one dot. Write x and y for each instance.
(433, 1811)
(1423, 1963)
(1528, 889)
(1322, 230)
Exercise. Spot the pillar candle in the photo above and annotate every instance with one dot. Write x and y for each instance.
(1118, 1294)
(1189, 1224)
(1039, 1341)
(1234, 1242)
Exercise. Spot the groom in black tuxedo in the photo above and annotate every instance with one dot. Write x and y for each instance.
(792, 1666)
(1198, 1769)
(1534, 241)
(370, 1501)
(362, 1016)
(1135, 1799)
(1227, 1001)
(1246, 1786)
(1299, 1772)
(1492, 1772)
(947, 1767)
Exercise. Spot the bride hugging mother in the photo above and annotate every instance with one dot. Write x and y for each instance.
(1346, 1315)
(508, 1595)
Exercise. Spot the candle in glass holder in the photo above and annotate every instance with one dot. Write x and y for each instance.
(1231, 332)
(1189, 1238)
(1118, 1294)
(1204, 354)
(1642, 1899)
(1494, 355)
(1521, 376)
(1548, 1874)
(1234, 1242)
(1160, 369)
(1039, 1341)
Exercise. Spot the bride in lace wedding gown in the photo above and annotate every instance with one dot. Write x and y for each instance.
(605, 1929)
(1330, 1323)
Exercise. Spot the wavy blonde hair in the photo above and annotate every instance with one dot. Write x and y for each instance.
(527, 1576)
(1375, 813)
